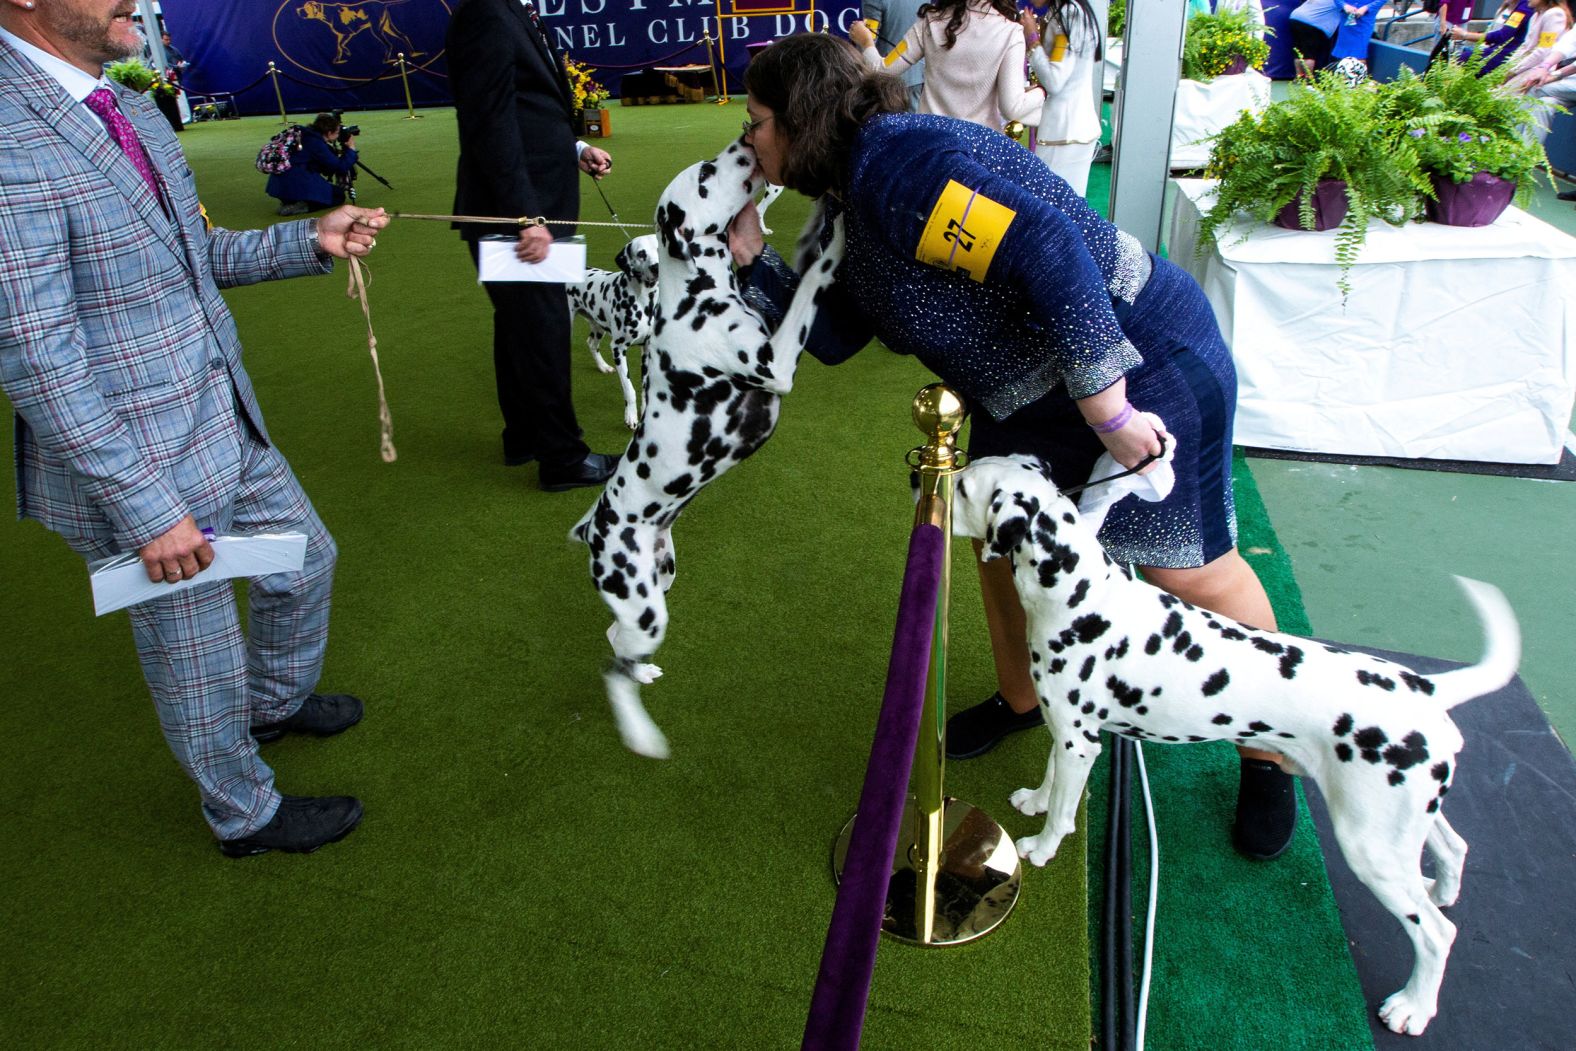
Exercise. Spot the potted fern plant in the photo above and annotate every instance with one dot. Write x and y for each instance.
(1279, 166)
(1221, 59)
(1222, 44)
(1465, 130)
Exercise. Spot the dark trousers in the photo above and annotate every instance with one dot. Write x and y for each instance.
(531, 330)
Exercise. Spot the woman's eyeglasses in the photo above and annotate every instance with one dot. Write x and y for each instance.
(749, 126)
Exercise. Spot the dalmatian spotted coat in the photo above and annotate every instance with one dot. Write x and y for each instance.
(621, 304)
(1111, 652)
(714, 378)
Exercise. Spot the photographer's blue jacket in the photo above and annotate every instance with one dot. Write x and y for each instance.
(310, 170)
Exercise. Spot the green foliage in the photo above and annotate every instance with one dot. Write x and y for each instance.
(1459, 120)
(132, 74)
(1325, 129)
(1116, 18)
(1215, 41)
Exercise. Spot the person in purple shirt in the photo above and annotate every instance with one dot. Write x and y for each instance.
(1499, 42)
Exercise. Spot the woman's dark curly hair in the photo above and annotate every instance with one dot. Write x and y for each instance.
(820, 93)
(952, 11)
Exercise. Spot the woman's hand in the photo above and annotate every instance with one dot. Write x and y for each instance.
(859, 35)
(1130, 442)
(348, 230)
(1031, 28)
(745, 239)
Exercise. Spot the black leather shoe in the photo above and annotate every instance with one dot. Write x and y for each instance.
(1266, 811)
(975, 731)
(299, 826)
(1567, 195)
(1102, 155)
(517, 459)
(595, 469)
(322, 715)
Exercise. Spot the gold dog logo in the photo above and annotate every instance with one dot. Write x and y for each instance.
(348, 21)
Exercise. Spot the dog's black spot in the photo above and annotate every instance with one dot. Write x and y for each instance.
(1267, 645)
(1173, 623)
(1092, 738)
(1057, 664)
(1141, 710)
(647, 618)
(1433, 806)
(1440, 772)
(1152, 647)
(650, 510)
(1080, 592)
(1168, 600)
(680, 486)
(1233, 635)
(1414, 917)
(1194, 653)
(1087, 669)
(1088, 708)
(1090, 626)
(1417, 684)
(1343, 726)
(1168, 737)
(1101, 714)
(1370, 740)
(1184, 639)
(1125, 695)
(1397, 777)
(1118, 651)
(1216, 682)
(1260, 727)
(1412, 750)
(643, 470)
(1222, 719)
(1343, 752)
(1289, 662)
(1369, 678)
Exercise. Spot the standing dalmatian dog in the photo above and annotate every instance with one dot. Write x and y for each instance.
(1111, 652)
(714, 377)
(620, 304)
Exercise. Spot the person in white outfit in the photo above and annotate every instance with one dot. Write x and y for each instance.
(1550, 19)
(973, 52)
(1064, 52)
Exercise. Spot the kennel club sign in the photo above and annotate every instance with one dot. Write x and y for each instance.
(339, 55)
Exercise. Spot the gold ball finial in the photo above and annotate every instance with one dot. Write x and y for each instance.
(939, 412)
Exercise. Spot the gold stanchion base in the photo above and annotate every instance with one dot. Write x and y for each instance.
(975, 889)
(415, 116)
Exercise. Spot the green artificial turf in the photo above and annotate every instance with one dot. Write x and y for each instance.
(520, 879)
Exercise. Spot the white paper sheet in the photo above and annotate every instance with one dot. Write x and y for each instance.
(121, 580)
(565, 262)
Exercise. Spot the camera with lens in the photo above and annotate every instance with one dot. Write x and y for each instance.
(349, 131)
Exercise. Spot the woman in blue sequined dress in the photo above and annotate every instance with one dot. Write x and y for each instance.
(966, 251)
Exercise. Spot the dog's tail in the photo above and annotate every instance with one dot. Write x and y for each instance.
(1502, 651)
(580, 532)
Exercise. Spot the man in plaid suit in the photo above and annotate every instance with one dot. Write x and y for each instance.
(136, 424)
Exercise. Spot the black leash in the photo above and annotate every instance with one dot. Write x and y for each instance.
(1139, 466)
(610, 209)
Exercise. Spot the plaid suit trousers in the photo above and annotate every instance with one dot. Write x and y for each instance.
(210, 680)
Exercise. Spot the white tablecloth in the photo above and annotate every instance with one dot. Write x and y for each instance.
(1204, 109)
(1454, 344)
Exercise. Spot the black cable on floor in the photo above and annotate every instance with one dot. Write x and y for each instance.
(1117, 1006)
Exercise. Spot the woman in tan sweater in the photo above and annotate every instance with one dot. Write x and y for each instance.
(974, 60)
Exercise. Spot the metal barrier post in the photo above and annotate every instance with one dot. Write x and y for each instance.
(274, 72)
(711, 63)
(956, 874)
(404, 77)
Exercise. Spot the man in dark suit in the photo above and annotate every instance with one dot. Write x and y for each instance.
(136, 422)
(518, 156)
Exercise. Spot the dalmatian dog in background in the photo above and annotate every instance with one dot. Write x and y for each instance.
(620, 304)
(1111, 652)
(773, 192)
(714, 379)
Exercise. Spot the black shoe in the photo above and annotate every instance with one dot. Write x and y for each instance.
(975, 731)
(1266, 811)
(595, 469)
(299, 826)
(1102, 155)
(322, 715)
(517, 459)
(1567, 195)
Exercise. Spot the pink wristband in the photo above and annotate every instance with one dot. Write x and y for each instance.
(1115, 423)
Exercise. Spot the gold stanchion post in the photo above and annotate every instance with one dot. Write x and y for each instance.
(404, 77)
(711, 62)
(956, 874)
(274, 72)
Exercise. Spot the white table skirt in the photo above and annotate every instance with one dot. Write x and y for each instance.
(1204, 109)
(1454, 344)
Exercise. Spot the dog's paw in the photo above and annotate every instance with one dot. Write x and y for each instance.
(766, 230)
(631, 418)
(645, 674)
(1441, 892)
(1037, 850)
(1405, 1013)
(1030, 801)
(601, 363)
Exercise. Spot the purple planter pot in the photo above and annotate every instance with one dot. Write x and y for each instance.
(1329, 207)
(1477, 202)
(1237, 65)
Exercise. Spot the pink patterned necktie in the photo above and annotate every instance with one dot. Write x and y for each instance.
(102, 102)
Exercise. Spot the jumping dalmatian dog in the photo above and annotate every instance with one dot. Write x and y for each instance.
(1111, 652)
(772, 193)
(620, 304)
(714, 379)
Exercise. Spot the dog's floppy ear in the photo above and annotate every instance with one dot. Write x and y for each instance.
(676, 234)
(638, 259)
(1006, 526)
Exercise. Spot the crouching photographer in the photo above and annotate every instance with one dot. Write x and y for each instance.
(322, 164)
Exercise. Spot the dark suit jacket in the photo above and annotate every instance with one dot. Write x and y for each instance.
(515, 112)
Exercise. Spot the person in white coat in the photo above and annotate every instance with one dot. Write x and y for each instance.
(973, 52)
(1065, 53)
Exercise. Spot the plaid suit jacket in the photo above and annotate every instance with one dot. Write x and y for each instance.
(118, 354)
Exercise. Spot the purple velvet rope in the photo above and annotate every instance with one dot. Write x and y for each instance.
(837, 1009)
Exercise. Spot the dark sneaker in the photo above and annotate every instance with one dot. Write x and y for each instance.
(975, 731)
(595, 469)
(322, 715)
(300, 826)
(1266, 811)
